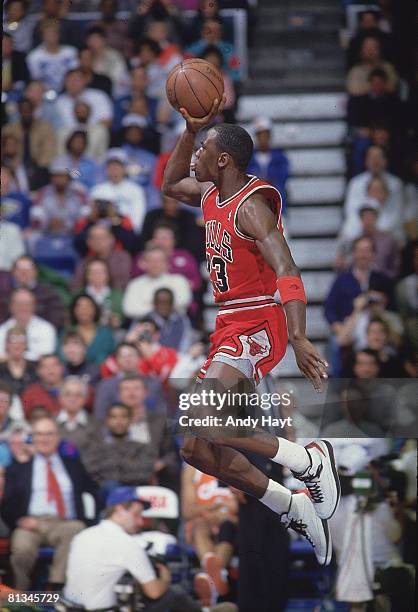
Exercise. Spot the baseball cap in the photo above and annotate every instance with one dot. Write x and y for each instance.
(123, 495)
(103, 192)
(369, 204)
(117, 154)
(262, 124)
(134, 120)
(58, 166)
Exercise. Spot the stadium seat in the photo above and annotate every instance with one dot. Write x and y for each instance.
(56, 252)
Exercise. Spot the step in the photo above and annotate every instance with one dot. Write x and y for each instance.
(317, 285)
(266, 11)
(313, 221)
(315, 190)
(311, 253)
(307, 134)
(320, 161)
(294, 85)
(302, 106)
(298, 58)
(278, 69)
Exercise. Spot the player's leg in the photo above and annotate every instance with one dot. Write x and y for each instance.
(313, 464)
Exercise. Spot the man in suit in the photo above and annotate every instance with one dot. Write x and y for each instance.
(42, 504)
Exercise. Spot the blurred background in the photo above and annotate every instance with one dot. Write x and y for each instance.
(105, 308)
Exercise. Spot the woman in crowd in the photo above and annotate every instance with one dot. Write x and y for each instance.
(16, 370)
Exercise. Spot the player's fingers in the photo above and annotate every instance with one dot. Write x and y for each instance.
(318, 365)
(214, 110)
(222, 103)
(186, 115)
(314, 377)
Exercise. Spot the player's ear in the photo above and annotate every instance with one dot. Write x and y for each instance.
(223, 160)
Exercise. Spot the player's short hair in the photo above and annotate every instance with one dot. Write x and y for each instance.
(236, 142)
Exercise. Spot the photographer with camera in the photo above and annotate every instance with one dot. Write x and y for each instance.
(101, 555)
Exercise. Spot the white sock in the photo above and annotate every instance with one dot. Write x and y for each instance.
(276, 497)
(291, 455)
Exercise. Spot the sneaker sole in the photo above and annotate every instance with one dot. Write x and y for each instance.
(336, 478)
(328, 554)
(203, 590)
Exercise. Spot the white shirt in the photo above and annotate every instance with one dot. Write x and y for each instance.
(40, 334)
(50, 68)
(39, 504)
(71, 425)
(139, 294)
(98, 557)
(11, 244)
(391, 214)
(100, 106)
(130, 201)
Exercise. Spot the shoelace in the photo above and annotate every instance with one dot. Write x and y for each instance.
(300, 527)
(313, 486)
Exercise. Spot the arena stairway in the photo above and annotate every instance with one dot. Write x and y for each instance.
(310, 128)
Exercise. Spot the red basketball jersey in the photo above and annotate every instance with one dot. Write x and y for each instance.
(236, 267)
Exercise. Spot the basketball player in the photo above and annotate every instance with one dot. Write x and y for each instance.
(248, 258)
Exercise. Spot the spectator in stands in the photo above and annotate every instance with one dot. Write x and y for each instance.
(85, 316)
(59, 205)
(11, 158)
(180, 260)
(150, 428)
(407, 301)
(93, 78)
(116, 29)
(37, 144)
(41, 335)
(379, 339)
(148, 56)
(269, 162)
(155, 264)
(355, 422)
(368, 24)
(188, 231)
(211, 34)
(15, 205)
(391, 214)
(11, 245)
(97, 133)
(24, 273)
(116, 459)
(171, 55)
(358, 83)
(75, 89)
(55, 10)
(97, 284)
(211, 512)
(15, 369)
(39, 515)
(76, 425)
(82, 168)
(381, 135)
(378, 105)
(44, 107)
(101, 243)
(19, 24)
(175, 329)
(129, 197)
(50, 61)
(136, 95)
(14, 69)
(74, 355)
(141, 162)
(206, 9)
(386, 248)
(125, 361)
(106, 60)
(7, 423)
(50, 372)
(213, 55)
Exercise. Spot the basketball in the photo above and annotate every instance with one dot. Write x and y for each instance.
(194, 84)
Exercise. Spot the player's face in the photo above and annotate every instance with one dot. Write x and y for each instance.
(206, 166)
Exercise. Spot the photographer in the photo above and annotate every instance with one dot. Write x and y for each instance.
(104, 210)
(101, 555)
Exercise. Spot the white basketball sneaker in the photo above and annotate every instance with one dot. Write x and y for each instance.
(321, 478)
(302, 518)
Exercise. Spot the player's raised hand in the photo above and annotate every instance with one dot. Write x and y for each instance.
(194, 124)
(310, 362)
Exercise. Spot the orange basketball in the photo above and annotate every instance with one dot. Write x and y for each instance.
(194, 84)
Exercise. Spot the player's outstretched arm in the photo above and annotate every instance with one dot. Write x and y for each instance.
(177, 182)
(257, 220)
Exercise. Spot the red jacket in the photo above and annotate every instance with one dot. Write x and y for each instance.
(36, 395)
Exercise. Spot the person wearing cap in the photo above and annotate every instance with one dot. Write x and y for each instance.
(60, 204)
(129, 197)
(267, 162)
(386, 248)
(100, 555)
(141, 162)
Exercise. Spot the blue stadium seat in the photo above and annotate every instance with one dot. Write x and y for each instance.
(56, 252)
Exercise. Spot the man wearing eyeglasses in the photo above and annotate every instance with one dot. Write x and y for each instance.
(42, 504)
